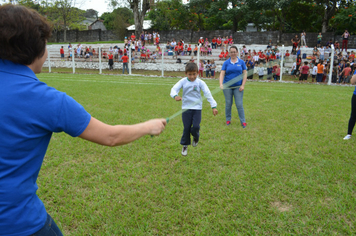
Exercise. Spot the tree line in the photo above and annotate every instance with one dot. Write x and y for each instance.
(276, 15)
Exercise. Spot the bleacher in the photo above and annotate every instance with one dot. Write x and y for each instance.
(170, 62)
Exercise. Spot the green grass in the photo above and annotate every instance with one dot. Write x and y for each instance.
(288, 173)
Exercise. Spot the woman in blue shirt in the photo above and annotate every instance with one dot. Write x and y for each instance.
(30, 111)
(352, 120)
(233, 78)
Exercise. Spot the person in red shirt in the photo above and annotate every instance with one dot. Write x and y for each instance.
(345, 74)
(125, 58)
(222, 54)
(262, 58)
(213, 43)
(133, 37)
(180, 48)
(287, 54)
(189, 50)
(143, 56)
(111, 61)
(218, 42)
(304, 71)
(61, 51)
(201, 41)
(157, 40)
(277, 72)
(231, 41)
(272, 57)
(226, 54)
(104, 55)
(226, 42)
(176, 51)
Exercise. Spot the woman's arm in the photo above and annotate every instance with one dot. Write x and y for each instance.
(353, 79)
(108, 135)
(221, 79)
(242, 87)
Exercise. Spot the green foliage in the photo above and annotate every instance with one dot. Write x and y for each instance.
(118, 20)
(345, 18)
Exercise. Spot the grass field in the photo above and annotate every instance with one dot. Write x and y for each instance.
(288, 173)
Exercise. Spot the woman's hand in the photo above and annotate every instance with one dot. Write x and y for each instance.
(242, 87)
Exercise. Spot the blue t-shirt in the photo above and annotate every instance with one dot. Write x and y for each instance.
(355, 86)
(30, 111)
(232, 70)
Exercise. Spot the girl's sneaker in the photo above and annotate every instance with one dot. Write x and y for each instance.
(244, 125)
(194, 143)
(228, 122)
(185, 150)
(347, 137)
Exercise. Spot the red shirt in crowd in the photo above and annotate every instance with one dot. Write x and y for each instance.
(61, 51)
(133, 37)
(201, 41)
(125, 59)
(304, 69)
(111, 56)
(213, 41)
(287, 54)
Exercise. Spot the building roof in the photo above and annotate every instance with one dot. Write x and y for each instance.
(147, 24)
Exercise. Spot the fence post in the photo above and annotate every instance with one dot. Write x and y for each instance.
(281, 69)
(162, 62)
(73, 63)
(198, 57)
(130, 59)
(100, 59)
(49, 59)
(331, 63)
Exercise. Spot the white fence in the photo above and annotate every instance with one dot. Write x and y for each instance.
(167, 61)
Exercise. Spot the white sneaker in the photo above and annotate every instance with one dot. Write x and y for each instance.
(347, 137)
(194, 143)
(185, 150)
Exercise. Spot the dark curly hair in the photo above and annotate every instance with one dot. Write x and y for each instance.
(23, 34)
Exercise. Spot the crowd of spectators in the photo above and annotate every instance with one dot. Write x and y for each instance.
(265, 59)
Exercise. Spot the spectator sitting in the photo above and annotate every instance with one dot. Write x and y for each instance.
(287, 54)
(262, 58)
(226, 53)
(185, 51)
(143, 56)
(153, 57)
(218, 42)
(195, 50)
(269, 44)
(189, 50)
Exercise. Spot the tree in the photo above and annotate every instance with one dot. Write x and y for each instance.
(344, 19)
(91, 13)
(139, 8)
(118, 20)
(65, 12)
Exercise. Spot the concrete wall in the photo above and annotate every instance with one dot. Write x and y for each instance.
(190, 36)
(84, 36)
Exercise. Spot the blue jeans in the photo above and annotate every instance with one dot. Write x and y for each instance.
(124, 65)
(319, 77)
(49, 229)
(238, 95)
(191, 122)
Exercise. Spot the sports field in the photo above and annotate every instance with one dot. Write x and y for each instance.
(288, 173)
